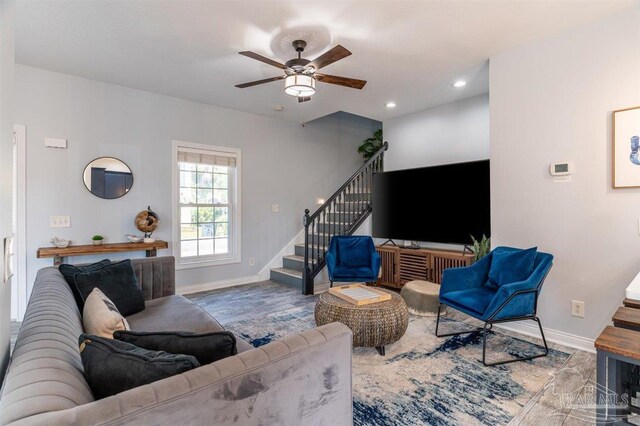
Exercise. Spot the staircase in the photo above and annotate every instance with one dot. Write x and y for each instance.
(341, 214)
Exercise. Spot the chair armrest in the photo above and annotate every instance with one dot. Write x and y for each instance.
(454, 279)
(515, 299)
(331, 263)
(375, 263)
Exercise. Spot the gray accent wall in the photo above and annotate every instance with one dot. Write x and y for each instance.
(282, 163)
(7, 13)
(552, 101)
(450, 133)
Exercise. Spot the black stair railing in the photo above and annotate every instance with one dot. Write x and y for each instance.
(341, 214)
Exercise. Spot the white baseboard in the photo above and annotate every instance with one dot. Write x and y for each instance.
(529, 328)
(196, 288)
(276, 262)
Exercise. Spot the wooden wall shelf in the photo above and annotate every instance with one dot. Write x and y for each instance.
(58, 254)
(401, 265)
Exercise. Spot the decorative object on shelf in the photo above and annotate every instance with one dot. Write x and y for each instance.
(108, 178)
(97, 240)
(59, 242)
(372, 145)
(133, 238)
(480, 248)
(147, 221)
(626, 148)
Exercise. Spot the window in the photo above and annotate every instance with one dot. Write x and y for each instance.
(207, 194)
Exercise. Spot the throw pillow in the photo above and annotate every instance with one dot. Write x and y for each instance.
(510, 266)
(118, 282)
(101, 317)
(207, 348)
(69, 272)
(112, 366)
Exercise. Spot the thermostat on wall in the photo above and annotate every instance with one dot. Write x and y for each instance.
(561, 169)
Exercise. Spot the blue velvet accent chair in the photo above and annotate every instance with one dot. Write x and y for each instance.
(352, 258)
(477, 291)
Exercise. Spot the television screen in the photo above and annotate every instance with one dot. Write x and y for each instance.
(441, 204)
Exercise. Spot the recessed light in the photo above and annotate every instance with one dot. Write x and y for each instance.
(460, 83)
(390, 104)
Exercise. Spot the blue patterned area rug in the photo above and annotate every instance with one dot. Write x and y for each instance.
(425, 380)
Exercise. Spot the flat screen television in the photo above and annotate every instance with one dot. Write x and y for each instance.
(454, 203)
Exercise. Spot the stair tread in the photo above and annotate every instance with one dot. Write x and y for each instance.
(294, 257)
(287, 271)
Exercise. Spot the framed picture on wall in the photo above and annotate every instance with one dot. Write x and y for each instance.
(626, 148)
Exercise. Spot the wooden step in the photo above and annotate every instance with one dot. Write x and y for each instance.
(631, 303)
(627, 318)
(619, 341)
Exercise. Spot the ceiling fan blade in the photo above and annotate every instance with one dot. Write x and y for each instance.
(255, 83)
(261, 58)
(303, 99)
(353, 83)
(330, 57)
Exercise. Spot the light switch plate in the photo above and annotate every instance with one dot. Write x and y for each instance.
(275, 208)
(59, 221)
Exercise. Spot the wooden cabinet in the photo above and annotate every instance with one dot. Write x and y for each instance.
(401, 265)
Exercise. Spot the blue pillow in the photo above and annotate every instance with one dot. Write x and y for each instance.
(510, 266)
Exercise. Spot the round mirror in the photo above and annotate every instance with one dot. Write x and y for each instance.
(108, 178)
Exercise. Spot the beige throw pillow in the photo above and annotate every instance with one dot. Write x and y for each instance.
(101, 317)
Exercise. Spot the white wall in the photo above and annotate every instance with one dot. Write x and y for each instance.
(450, 133)
(7, 13)
(282, 163)
(552, 101)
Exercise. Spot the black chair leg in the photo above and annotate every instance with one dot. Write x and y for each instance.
(526, 358)
(451, 334)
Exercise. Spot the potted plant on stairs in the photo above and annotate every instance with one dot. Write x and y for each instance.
(371, 145)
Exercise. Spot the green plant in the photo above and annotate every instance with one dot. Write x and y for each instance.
(97, 238)
(371, 145)
(480, 248)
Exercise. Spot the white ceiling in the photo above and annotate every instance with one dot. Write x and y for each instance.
(409, 51)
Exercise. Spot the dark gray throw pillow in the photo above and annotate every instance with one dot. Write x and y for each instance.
(112, 366)
(118, 282)
(207, 347)
(69, 272)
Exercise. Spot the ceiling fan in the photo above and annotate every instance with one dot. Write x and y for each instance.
(300, 75)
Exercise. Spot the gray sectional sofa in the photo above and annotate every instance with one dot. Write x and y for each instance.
(301, 379)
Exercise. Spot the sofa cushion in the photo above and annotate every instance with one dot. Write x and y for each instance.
(510, 266)
(101, 317)
(173, 313)
(206, 347)
(69, 273)
(476, 299)
(118, 282)
(112, 366)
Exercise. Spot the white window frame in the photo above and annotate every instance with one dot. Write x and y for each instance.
(234, 255)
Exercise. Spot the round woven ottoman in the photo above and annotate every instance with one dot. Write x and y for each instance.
(422, 297)
(374, 325)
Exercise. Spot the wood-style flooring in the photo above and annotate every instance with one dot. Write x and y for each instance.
(259, 299)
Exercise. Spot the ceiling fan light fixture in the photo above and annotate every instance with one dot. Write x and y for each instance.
(300, 85)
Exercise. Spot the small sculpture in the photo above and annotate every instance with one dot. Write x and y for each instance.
(59, 242)
(147, 221)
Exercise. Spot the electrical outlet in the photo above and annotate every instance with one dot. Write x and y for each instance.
(59, 221)
(275, 208)
(577, 308)
(252, 261)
